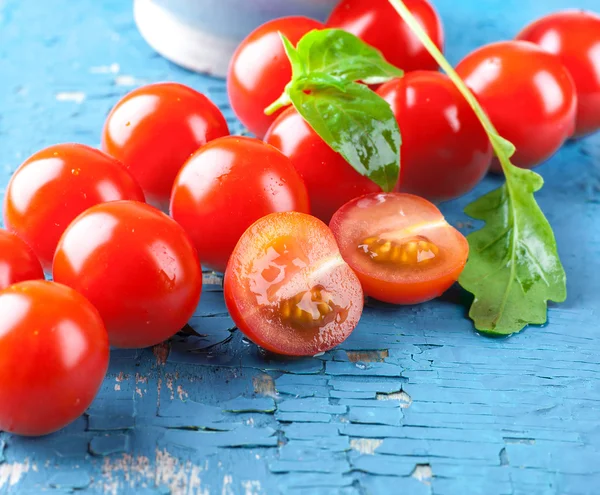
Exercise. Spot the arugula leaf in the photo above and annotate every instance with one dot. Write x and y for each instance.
(358, 124)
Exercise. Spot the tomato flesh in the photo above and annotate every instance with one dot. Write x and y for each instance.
(228, 185)
(17, 261)
(53, 357)
(55, 185)
(574, 36)
(288, 289)
(400, 246)
(136, 265)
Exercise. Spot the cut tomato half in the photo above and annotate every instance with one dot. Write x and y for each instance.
(400, 246)
(288, 288)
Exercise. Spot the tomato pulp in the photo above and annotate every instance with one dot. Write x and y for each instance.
(377, 23)
(574, 36)
(228, 185)
(400, 246)
(154, 129)
(17, 261)
(260, 69)
(136, 265)
(445, 151)
(53, 357)
(55, 185)
(288, 289)
(528, 94)
(330, 180)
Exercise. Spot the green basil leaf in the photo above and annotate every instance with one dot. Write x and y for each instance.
(296, 60)
(340, 54)
(358, 124)
(513, 267)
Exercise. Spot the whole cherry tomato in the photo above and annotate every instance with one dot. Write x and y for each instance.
(260, 69)
(136, 265)
(445, 151)
(55, 185)
(154, 129)
(288, 289)
(528, 94)
(330, 179)
(226, 186)
(17, 261)
(53, 357)
(378, 24)
(574, 36)
(400, 246)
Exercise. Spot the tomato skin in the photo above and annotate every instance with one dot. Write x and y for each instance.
(528, 94)
(445, 151)
(155, 128)
(279, 256)
(55, 185)
(378, 215)
(228, 185)
(574, 36)
(17, 261)
(260, 69)
(377, 23)
(53, 357)
(136, 265)
(330, 179)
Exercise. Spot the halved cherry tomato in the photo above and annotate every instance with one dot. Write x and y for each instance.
(260, 69)
(377, 23)
(154, 129)
(136, 265)
(330, 179)
(17, 261)
(288, 288)
(400, 246)
(228, 185)
(445, 151)
(53, 357)
(574, 36)
(528, 94)
(55, 185)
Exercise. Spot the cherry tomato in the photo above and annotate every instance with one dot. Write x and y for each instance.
(260, 69)
(17, 261)
(154, 129)
(228, 185)
(136, 265)
(378, 24)
(445, 151)
(528, 94)
(400, 246)
(574, 36)
(288, 289)
(55, 185)
(53, 357)
(330, 179)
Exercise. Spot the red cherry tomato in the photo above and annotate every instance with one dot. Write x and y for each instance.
(400, 246)
(228, 185)
(55, 185)
(330, 179)
(378, 24)
(53, 357)
(574, 36)
(528, 94)
(17, 261)
(136, 265)
(445, 151)
(260, 69)
(288, 289)
(154, 129)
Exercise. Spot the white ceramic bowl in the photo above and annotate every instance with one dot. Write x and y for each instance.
(201, 35)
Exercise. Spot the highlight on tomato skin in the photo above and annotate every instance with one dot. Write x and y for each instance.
(400, 247)
(18, 262)
(288, 289)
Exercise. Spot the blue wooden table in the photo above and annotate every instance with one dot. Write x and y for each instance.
(414, 402)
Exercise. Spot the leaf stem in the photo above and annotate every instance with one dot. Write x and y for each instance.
(282, 101)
